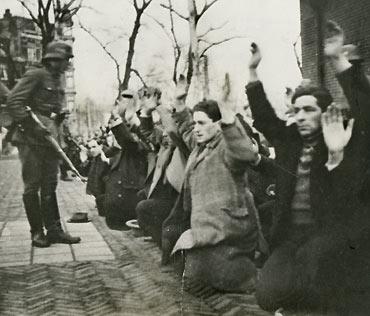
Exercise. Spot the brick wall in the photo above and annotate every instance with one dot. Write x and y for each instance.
(354, 17)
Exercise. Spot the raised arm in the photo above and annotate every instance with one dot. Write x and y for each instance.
(355, 84)
(182, 115)
(118, 127)
(240, 151)
(265, 118)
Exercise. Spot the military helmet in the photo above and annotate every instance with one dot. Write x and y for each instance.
(58, 50)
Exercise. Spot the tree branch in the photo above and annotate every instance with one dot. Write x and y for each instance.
(136, 6)
(162, 26)
(118, 67)
(211, 29)
(29, 12)
(48, 4)
(202, 54)
(205, 8)
(174, 11)
(146, 4)
(41, 5)
(136, 72)
(176, 47)
(299, 64)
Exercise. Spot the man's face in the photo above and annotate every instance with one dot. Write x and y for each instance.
(60, 65)
(307, 115)
(166, 139)
(95, 148)
(204, 129)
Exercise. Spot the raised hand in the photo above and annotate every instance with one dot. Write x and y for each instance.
(180, 93)
(334, 40)
(336, 136)
(115, 113)
(226, 89)
(166, 118)
(227, 112)
(128, 102)
(149, 101)
(256, 56)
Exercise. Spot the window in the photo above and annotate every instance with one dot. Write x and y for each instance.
(32, 54)
(3, 72)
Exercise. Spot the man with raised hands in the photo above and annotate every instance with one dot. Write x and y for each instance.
(213, 221)
(319, 215)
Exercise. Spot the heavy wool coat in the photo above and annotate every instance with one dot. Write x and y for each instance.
(213, 214)
(341, 214)
(334, 195)
(170, 159)
(127, 173)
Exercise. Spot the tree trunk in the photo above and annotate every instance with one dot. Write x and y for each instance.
(205, 78)
(194, 78)
(131, 52)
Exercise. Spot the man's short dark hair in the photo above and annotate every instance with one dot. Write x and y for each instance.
(210, 107)
(322, 95)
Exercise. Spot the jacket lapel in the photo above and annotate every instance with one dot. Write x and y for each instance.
(115, 160)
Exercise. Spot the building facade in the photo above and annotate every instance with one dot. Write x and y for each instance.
(21, 47)
(22, 38)
(352, 16)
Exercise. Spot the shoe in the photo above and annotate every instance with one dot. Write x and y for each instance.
(40, 240)
(79, 217)
(61, 237)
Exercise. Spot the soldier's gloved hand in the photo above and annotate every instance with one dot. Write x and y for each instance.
(30, 127)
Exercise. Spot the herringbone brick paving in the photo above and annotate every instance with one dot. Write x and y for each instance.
(133, 283)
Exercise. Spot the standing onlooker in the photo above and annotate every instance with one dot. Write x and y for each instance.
(42, 91)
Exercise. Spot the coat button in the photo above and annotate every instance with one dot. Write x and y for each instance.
(119, 182)
(120, 195)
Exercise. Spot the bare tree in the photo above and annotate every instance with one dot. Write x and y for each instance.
(132, 40)
(104, 46)
(199, 45)
(171, 34)
(123, 82)
(49, 15)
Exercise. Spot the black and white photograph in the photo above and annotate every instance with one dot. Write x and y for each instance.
(185, 157)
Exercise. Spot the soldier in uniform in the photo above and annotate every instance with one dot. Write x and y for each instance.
(42, 91)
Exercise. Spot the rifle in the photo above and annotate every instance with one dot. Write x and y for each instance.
(56, 147)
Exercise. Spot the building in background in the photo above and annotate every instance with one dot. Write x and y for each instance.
(352, 16)
(21, 48)
(20, 42)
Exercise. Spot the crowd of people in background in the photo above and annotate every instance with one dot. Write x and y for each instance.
(203, 185)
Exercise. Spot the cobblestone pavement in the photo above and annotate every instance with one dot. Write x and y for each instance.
(109, 273)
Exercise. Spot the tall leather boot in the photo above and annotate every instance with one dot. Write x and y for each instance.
(32, 206)
(50, 212)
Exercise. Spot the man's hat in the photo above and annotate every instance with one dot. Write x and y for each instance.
(79, 217)
(58, 50)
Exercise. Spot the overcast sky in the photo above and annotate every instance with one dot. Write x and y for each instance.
(273, 24)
